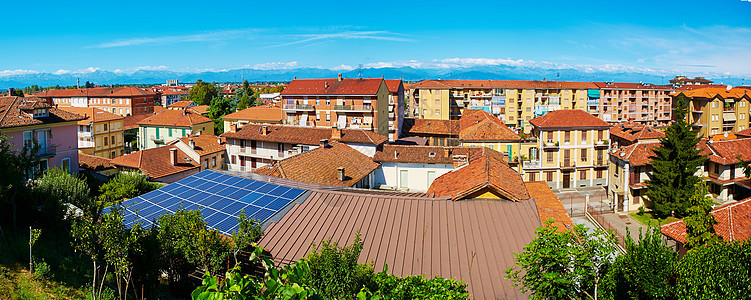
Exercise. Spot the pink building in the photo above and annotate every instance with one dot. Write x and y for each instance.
(26, 120)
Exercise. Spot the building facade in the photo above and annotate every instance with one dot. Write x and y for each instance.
(342, 102)
(124, 101)
(101, 133)
(396, 107)
(164, 127)
(716, 110)
(639, 102)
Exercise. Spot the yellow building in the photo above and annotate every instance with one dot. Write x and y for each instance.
(101, 133)
(716, 110)
(571, 150)
(515, 102)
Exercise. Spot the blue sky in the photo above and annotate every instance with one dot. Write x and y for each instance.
(693, 37)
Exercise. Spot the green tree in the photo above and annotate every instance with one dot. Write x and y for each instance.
(644, 271)
(125, 185)
(334, 271)
(699, 220)
(248, 232)
(564, 264)
(673, 166)
(184, 234)
(219, 108)
(17, 165)
(202, 92)
(717, 271)
(57, 187)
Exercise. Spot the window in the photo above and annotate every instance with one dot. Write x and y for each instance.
(584, 155)
(403, 177)
(550, 136)
(106, 140)
(28, 139)
(213, 162)
(717, 168)
(318, 101)
(532, 176)
(328, 116)
(206, 163)
(318, 116)
(567, 136)
(328, 101)
(437, 102)
(550, 156)
(599, 134)
(529, 109)
(714, 104)
(234, 160)
(584, 136)
(112, 154)
(105, 126)
(424, 112)
(550, 176)
(127, 111)
(66, 164)
(157, 132)
(127, 101)
(599, 174)
(112, 140)
(169, 131)
(431, 177)
(437, 112)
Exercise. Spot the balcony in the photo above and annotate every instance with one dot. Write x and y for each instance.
(600, 161)
(158, 140)
(357, 108)
(593, 102)
(568, 164)
(85, 144)
(247, 150)
(601, 144)
(48, 151)
(531, 164)
(85, 134)
(297, 107)
(550, 144)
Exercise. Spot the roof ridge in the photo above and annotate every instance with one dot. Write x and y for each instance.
(8, 109)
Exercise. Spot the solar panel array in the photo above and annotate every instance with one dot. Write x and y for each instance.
(219, 197)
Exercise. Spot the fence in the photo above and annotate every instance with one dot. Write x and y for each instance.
(597, 215)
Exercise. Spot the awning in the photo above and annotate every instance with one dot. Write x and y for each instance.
(593, 93)
(728, 116)
(304, 120)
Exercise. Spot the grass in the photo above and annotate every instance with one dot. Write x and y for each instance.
(18, 283)
(649, 219)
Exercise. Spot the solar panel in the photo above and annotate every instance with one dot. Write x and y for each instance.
(219, 197)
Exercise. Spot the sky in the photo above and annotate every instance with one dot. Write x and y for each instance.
(691, 37)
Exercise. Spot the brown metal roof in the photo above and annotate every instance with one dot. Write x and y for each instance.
(472, 240)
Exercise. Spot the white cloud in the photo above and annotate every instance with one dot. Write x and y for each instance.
(345, 35)
(275, 66)
(341, 68)
(201, 37)
(81, 71)
(5, 73)
(150, 68)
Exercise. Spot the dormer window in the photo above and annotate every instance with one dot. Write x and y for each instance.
(41, 113)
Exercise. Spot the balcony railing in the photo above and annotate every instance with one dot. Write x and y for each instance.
(247, 150)
(568, 164)
(531, 164)
(84, 134)
(48, 151)
(86, 144)
(365, 108)
(297, 107)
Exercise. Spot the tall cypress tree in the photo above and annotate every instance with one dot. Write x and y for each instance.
(674, 164)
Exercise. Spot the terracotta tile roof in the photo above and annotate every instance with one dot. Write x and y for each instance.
(548, 204)
(569, 118)
(637, 154)
(124, 91)
(182, 104)
(320, 166)
(434, 127)
(422, 154)
(131, 122)
(92, 114)
(684, 79)
(632, 131)
(304, 135)
(173, 117)
(484, 172)
(631, 86)
(479, 125)
(690, 87)
(733, 223)
(711, 92)
(472, 241)
(155, 162)
(12, 114)
(744, 133)
(333, 86)
(393, 84)
(261, 114)
(93, 162)
(201, 109)
(171, 92)
(504, 84)
(726, 152)
(204, 143)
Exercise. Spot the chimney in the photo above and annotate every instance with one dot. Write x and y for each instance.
(11, 92)
(340, 173)
(185, 110)
(324, 143)
(173, 156)
(460, 160)
(336, 133)
(233, 127)
(264, 130)
(192, 143)
(340, 76)
(325, 84)
(198, 133)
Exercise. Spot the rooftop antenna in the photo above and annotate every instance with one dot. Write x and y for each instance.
(359, 71)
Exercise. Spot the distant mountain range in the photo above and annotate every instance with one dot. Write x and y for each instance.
(494, 72)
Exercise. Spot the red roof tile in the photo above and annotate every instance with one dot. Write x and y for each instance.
(485, 173)
(94, 162)
(155, 162)
(633, 132)
(260, 114)
(479, 125)
(320, 166)
(173, 117)
(569, 118)
(424, 154)
(124, 91)
(733, 223)
(433, 127)
(12, 112)
(92, 114)
(304, 135)
(333, 86)
(631, 86)
(504, 84)
(204, 143)
(726, 152)
(393, 84)
(131, 122)
(548, 204)
(182, 104)
(711, 92)
(637, 154)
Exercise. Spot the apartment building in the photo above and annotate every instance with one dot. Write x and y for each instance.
(30, 120)
(639, 102)
(262, 114)
(572, 146)
(629, 133)
(396, 107)
(101, 133)
(169, 96)
(164, 127)
(206, 149)
(725, 180)
(515, 102)
(628, 168)
(124, 101)
(360, 103)
(680, 81)
(716, 110)
(256, 145)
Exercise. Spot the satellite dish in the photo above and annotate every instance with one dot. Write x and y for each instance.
(729, 87)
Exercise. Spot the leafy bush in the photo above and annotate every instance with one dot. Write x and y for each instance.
(41, 269)
(334, 271)
(125, 186)
(415, 287)
(717, 271)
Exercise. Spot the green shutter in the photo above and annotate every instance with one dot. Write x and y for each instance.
(157, 132)
(184, 132)
(510, 149)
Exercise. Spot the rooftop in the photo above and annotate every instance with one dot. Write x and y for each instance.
(479, 125)
(393, 84)
(726, 152)
(712, 92)
(171, 117)
(333, 86)
(484, 176)
(637, 154)
(181, 104)
(123, 91)
(204, 143)
(92, 114)
(262, 114)
(633, 132)
(504, 84)
(12, 112)
(548, 204)
(733, 223)
(569, 118)
(94, 162)
(304, 135)
(424, 154)
(155, 162)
